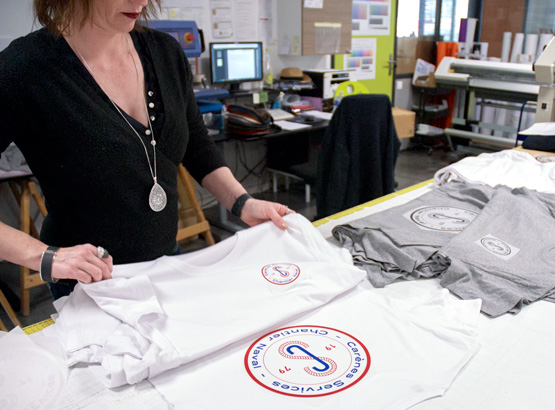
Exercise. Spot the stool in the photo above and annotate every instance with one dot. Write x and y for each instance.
(23, 188)
(188, 197)
(11, 314)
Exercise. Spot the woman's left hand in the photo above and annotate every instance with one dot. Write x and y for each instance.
(257, 211)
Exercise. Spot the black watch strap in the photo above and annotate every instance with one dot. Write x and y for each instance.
(46, 264)
(239, 204)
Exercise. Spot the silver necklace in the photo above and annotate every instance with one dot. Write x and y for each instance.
(157, 198)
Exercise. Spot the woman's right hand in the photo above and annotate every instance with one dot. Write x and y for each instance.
(81, 263)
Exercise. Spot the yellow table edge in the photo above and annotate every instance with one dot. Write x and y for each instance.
(38, 326)
(368, 204)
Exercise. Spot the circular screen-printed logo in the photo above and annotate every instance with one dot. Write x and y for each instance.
(496, 246)
(443, 218)
(307, 361)
(281, 273)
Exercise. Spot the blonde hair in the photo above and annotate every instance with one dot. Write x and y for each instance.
(57, 15)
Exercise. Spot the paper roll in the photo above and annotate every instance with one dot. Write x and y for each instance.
(500, 118)
(531, 45)
(488, 117)
(517, 47)
(506, 50)
(470, 31)
(544, 40)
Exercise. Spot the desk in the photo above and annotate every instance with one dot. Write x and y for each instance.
(283, 149)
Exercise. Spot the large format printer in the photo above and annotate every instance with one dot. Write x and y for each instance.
(521, 86)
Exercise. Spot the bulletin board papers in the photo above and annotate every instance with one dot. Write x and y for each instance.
(195, 14)
(362, 58)
(221, 18)
(246, 27)
(371, 17)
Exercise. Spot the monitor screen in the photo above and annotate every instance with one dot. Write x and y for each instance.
(236, 62)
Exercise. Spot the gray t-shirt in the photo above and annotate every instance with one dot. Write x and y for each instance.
(506, 256)
(397, 242)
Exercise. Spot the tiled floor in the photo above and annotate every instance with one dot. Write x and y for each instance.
(413, 166)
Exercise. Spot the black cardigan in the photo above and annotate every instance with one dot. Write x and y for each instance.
(358, 156)
(91, 168)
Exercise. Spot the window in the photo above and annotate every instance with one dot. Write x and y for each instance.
(540, 16)
(427, 11)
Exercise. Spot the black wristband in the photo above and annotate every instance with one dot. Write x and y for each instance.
(46, 264)
(239, 204)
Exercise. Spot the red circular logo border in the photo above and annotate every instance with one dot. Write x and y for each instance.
(283, 263)
(246, 361)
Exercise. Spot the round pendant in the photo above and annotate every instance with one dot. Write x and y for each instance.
(157, 198)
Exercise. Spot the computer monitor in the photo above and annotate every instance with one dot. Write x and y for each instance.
(235, 63)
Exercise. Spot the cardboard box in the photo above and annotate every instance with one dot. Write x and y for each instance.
(406, 47)
(405, 65)
(425, 50)
(404, 122)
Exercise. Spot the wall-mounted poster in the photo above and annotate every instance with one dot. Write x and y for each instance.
(371, 17)
(362, 58)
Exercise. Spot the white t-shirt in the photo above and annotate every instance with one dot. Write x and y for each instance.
(364, 350)
(154, 316)
(511, 168)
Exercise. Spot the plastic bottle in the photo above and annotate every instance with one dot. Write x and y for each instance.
(279, 102)
(268, 75)
(337, 100)
(223, 117)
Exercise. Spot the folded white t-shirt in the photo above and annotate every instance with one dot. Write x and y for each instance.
(511, 168)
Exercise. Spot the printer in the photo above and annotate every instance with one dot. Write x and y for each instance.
(326, 82)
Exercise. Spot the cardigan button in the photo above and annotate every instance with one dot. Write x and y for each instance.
(152, 118)
(150, 93)
(151, 105)
(148, 132)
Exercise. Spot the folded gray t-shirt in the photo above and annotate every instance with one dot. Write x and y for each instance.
(398, 242)
(506, 256)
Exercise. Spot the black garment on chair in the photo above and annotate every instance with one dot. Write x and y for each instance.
(359, 150)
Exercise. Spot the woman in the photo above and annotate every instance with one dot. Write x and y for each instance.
(104, 113)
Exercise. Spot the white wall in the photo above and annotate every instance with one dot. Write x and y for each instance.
(16, 20)
(199, 10)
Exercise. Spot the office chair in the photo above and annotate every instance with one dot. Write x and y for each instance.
(356, 162)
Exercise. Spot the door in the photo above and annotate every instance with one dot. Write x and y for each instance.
(373, 45)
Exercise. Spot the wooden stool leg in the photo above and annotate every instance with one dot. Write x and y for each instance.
(25, 219)
(37, 197)
(202, 226)
(11, 314)
(22, 191)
